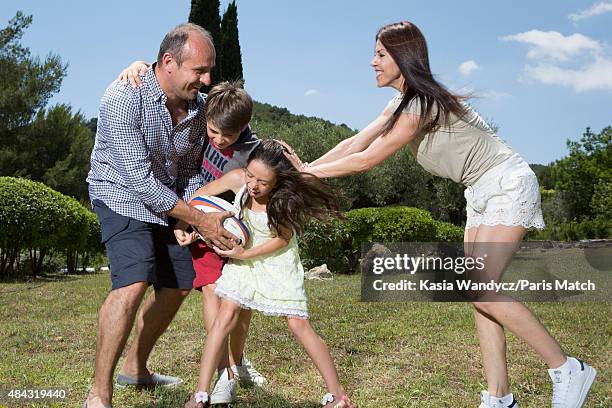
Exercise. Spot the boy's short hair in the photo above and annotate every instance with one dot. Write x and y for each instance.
(229, 106)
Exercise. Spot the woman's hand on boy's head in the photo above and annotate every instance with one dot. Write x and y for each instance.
(133, 73)
(292, 156)
(287, 147)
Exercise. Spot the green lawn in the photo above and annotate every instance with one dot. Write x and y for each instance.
(388, 354)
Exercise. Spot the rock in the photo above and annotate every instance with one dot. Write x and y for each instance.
(547, 245)
(319, 273)
(377, 251)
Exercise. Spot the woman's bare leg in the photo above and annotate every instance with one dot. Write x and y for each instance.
(503, 311)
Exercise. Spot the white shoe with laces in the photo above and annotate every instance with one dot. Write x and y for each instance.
(571, 387)
(487, 401)
(247, 375)
(225, 389)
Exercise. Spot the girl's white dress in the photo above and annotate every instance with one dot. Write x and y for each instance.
(272, 284)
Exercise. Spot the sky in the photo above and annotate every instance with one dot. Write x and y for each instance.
(540, 71)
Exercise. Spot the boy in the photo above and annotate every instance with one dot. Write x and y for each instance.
(228, 145)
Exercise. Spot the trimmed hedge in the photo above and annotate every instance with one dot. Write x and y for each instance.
(38, 219)
(447, 232)
(574, 231)
(338, 243)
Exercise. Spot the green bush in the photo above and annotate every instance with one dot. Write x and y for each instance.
(574, 231)
(338, 243)
(390, 224)
(38, 219)
(447, 232)
(326, 243)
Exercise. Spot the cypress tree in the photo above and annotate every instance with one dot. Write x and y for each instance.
(230, 56)
(205, 13)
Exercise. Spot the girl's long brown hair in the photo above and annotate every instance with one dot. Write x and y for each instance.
(297, 196)
(408, 48)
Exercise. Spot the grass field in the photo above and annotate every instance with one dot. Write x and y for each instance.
(388, 354)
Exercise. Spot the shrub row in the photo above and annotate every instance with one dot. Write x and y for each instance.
(574, 230)
(38, 219)
(338, 243)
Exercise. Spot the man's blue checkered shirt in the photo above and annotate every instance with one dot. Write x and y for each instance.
(140, 163)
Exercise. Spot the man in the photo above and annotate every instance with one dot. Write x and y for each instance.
(143, 167)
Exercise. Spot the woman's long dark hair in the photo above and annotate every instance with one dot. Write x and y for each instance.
(297, 196)
(408, 48)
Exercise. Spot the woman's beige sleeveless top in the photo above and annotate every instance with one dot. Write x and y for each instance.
(462, 150)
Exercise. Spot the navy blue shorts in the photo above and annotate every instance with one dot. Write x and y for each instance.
(143, 252)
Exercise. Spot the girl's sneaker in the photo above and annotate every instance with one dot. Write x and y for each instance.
(331, 401)
(198, 400)
(247, 375)
(224, 391)
(571, 385)
(486, 401)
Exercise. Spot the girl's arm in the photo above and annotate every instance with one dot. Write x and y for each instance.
(268, 247)
(356, 143)
(377, 151)
(232, 180)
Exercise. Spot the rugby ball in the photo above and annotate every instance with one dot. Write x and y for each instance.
(233, 224)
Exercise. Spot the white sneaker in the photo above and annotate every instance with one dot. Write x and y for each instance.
(225, 389)
(570, 388)
(486, 401)
(248, 375)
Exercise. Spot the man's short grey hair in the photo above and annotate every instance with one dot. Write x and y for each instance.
(174, 41)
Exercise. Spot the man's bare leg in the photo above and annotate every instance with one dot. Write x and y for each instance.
(114, 325)
(157, 312)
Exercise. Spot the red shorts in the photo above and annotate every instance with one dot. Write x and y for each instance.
(207, 264)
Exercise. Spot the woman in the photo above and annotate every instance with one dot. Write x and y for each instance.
(503, 198)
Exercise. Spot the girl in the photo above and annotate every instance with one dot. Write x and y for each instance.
(275, 201)
(503, 198)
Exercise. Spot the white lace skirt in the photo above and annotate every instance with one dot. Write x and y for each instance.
(508, 194)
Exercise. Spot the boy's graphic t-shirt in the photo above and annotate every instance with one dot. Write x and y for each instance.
(217, 162)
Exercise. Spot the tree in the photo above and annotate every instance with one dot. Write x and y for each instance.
(449, 203)
(26, 83)
(544, 174)
(229, 54)
(54, 148)
(53, 145)
(205, 13)
(588, 164)
(399, 180)
(601, 203)
(67, 172)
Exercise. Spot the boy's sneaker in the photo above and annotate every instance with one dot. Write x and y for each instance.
(225, 389)
(571, 387)
(248, 375)
(487, 401)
